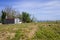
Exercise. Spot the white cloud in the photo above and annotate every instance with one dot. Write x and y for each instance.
(36, 4)
(49, 9)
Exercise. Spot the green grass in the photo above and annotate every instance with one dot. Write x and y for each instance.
(17, 35)
(45, 31)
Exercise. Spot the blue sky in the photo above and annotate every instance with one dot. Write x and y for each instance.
(41, 9)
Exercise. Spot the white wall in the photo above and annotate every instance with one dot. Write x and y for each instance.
(17, 20)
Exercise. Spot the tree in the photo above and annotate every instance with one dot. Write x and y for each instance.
(33, 19)
(3, 16)
(26, 17)
(10, 13)
(19, 16)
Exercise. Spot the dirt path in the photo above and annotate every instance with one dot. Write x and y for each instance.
(32, 32)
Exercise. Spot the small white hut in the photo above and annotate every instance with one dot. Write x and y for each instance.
(12, 21)
(17, 20)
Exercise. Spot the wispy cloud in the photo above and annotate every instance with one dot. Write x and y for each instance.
(42, 9)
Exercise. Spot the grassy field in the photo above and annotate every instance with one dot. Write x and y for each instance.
(30, 31)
